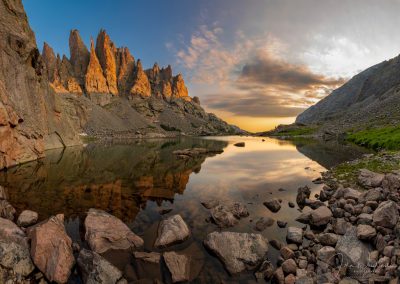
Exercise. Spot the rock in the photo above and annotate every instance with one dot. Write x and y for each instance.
(105, 232)
(273, 205)
(16, 257)
(9, 232)
(291, 204)
(290, 279)
(352, 253)
(370, 179)
(279, 276)
(237, 251)
(275, 244)
(294, 235)
(391, 181)
(171, 231)
(348, 280)
(328, 239)
(152, 257)
(3, 193)
(262, 223)
(365, 232)
(141, 85)
(302, 194)
(7, 210)
(95, 82)
(320, 216)
(80, 56)
(105, 50)
(349, 193)
(373, 194)
(281, 224)
(27, 218)
(287, 253)
(51, 249)
(327, 255)
(95, 269)
(289, 266)
(179, 89)
(340, 226)
(386, 215)
(210, 203)
(304, 217)
(178, 265)
(365, 219)
(314, 204)
(265, 271)
(239, 144)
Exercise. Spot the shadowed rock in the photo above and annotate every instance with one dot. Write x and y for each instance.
(171, 231)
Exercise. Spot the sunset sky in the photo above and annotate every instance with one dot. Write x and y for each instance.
(254, 63)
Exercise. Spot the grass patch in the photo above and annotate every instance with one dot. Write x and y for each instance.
(382, 162)
(294, 131)
(378, 138)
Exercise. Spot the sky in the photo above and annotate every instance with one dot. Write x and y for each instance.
(254, 63)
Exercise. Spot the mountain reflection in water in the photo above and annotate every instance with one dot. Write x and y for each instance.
(135, 181)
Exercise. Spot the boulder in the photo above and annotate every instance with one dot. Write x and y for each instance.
(386, 215)
(320, 216)
(294, 235)
(373, 194)
(304, 217)
(273, 205)
(391, 181)
(9, 232)
(171, 231)
(328, 239)
(51, 249)
(95, 269)
(178, 265)
(367, 178)
(289, 266)
(349, 193)
(365, 232)
(105, 232)
(237, 251)
(227, 214)
(16, 257)
(352, 253)
(27, 218)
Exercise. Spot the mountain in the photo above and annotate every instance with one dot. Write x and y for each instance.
(48, 101)
(371, 98)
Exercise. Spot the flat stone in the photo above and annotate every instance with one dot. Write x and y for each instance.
(273, 205)
(51, 249)
(320, 216)
(327, 255)
(105, 232)
(171, 231)
(178, 265)
(151, 257)
(237, 251)
(27, 218)
(294, 235)
(96, 269)
(386, 215)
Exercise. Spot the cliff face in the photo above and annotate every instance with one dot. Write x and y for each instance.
(110, 70)
(369, 98)
(31, 119)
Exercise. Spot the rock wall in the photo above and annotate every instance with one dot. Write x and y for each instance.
(117, 72)
(31, 119)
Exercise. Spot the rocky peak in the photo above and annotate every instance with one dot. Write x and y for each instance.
(141, 85)
(105, 50)
(179, 89)
(166, 73)
(125, 68)
(79, 55)
(50, 61)
(95, 82)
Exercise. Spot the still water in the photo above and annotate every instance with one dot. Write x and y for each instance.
(135, 181)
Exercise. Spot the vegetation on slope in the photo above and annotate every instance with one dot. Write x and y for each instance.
(292, 130)
(378, 138)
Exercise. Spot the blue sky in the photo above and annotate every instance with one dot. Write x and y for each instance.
(255, 63)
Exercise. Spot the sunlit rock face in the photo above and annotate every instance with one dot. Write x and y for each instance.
(109, 70)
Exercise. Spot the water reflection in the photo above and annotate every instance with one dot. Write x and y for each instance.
(134, 181)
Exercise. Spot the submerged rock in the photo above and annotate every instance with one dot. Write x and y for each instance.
(264, 223)
(228, 214)
(171, 231)
(51, 249)
(273, 205)
(237, 251)
(303, 193)
(95, 269)
(178, 265)
(7, 210)
(27, 218)
(105, 232)
(294, 235)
